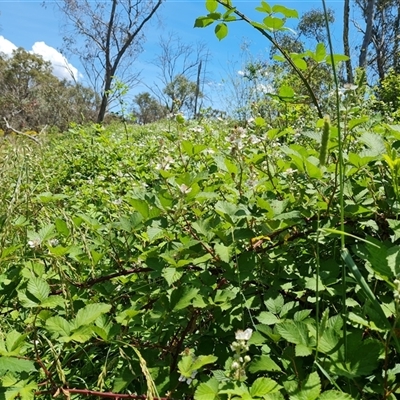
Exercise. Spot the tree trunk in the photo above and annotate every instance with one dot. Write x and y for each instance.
(197, 89)
(104, 100)
(108, 74)
(368, 33)
(111, 67)
(349, 68)
(396, 47)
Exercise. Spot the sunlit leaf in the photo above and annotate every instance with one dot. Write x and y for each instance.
(211, 5)
(273, 23)
(90, 313)
(207, 390)
(287, 12)
(11, 364)
(38, 288)
(263, 386)
(221, 30)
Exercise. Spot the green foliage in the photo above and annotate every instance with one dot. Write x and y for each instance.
(204, 260)
(202, 230)
(32, 97)
(181, 93)
(312, 24)
(147, 109)
(387, 96)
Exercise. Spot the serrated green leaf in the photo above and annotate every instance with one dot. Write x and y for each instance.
(356, 366)
(231, 167)
(53, 302)
(278, 57)
(275, 305)
(356, 122)
(267, 318)
(263, 386)
(62, 227)
(294, 332)
(101, 332)
(23, 390)
(123, 379)
(27, 299)
(221, 30)
(141, 206)
(39, 288)
(225, 208)
(14, 342)
(394, 225)
(47, 232)
(374, 141)
(154, 233)
(263, 363)
(82, 335)
(329, 341)
(302, 351)
(301, 315)
(89, 314)
(309, 389)
(12, 364)
(207, 390)
(201, 361)
(365, 288)
(47, 197)
(171, 275)
(223, 252)
(260, 121)
(58, 325)
(182, 297)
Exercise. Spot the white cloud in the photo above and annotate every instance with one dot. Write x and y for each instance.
(6, 46)
(62, 69)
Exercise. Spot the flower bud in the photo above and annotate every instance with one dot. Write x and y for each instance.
(235, 365)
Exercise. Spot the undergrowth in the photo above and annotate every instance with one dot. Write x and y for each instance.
(203, 260)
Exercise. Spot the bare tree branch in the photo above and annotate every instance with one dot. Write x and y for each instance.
(9, 127)
(113, 34)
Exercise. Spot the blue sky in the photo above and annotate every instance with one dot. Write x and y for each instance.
(29, 25)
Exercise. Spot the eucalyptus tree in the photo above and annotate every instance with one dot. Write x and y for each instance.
(107, 37)
(32, 97)
(147, 109)
(380, 48)
(182, 71)
(182, 94)
(346, 45)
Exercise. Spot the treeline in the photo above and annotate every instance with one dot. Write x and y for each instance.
(31, 97)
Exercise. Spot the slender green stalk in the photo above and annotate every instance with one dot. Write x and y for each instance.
(338, 117)
(317, 258)
(341, 178)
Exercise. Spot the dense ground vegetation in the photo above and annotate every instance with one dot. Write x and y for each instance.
(208, 259)
(129, 262)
